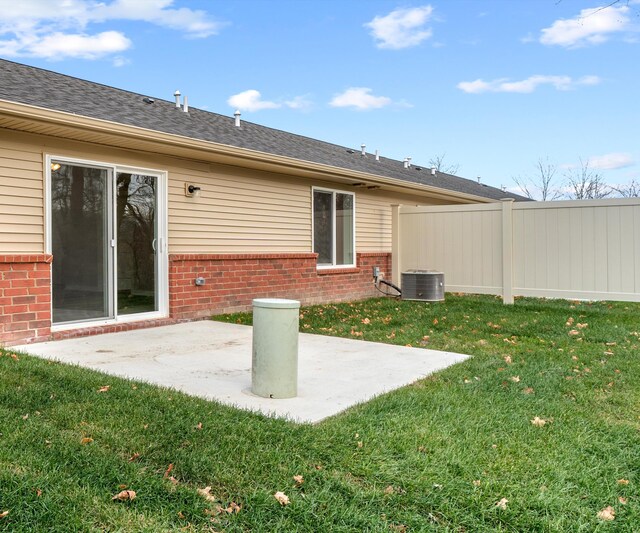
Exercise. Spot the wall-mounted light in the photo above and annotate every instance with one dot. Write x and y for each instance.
(191, 190)
(55, 166)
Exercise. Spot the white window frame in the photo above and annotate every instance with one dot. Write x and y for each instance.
(333, 237)
(163, 248)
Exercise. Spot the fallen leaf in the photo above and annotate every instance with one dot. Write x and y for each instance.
(608, 513)
(437, 486)
(574, 357)
(134, 457)
(574, 332)
(515, 379)
(623, 500)
(206, 492)
(199, 425)
(539, 422)
(476, 482)
(125, 495)
(3, 514)
(180, 514)
(168, 470)
(233, 508)
(282, 498)
(400, 528)
(435, 321)
(610, 343)
(366, 321)
(104, 388)
(319, 467)
(24, 417)
(86, 440)
(502, 504)
(581, 326)
(173, 480)
(507, 359)
(569, 322)
(389, 489)
(299, 480)
(623, 482)
(38, 493)
(360, 444)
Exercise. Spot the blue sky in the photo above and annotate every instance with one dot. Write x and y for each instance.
(493, 85)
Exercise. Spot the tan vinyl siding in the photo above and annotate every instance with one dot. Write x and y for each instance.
(238, 211)
(21, 196)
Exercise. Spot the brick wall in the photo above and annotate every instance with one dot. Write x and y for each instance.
(25, 298)
(233, 281)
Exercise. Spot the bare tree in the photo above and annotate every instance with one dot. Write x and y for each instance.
(586, 184)
(628, 190)
(438, 162)
(541, 185)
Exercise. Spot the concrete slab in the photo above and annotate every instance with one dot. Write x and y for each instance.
(212, 360)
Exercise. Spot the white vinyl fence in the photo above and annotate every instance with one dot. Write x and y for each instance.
(587, 249)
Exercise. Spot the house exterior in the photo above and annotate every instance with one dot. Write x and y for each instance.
(120, 211)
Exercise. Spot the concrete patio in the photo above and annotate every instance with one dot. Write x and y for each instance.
(212, 360)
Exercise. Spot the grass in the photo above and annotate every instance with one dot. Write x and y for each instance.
(434, 456)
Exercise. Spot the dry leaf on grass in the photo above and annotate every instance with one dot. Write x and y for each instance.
(134, 457)
(528, 390)
(570, 321)
(233, 508)
(299, 480)
(623, 482)
(507, 359)
(282, 498)
(539, 422)
(206, 492)
(125, 495)
(168, 470)
(476, 482)
(38, 492)
(104, 388)
(581, 326)
(502, 504)
(86, 440)
(574, 332)
(389, 490)
(366, 321)
(180, 514)
(24, 417)
(623, 500)
(199, 425)
(608, 513)
(3, 514)
(515, 379)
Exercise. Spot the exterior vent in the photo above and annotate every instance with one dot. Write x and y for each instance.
(424, 285)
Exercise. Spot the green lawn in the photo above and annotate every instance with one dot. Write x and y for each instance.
(435, 456)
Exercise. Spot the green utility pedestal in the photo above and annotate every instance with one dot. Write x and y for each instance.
(274, 368)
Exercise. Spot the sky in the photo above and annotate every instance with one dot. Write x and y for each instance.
(490, 86)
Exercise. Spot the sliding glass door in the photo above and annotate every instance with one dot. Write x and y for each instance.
(105, 241)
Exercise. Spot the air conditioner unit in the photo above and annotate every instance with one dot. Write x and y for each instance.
(424, 285)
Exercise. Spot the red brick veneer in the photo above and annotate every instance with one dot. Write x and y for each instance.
(232, 281)
(25, 298)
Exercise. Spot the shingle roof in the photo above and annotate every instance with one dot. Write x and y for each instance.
(51, 90)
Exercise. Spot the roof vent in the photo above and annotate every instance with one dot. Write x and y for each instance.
(363, 150)
(407, 162)
(177, 97)
(478, 179)
(148, 100)
(237, 115)
(185, 107)
(433, 171)
(350, 151)
(377, 156)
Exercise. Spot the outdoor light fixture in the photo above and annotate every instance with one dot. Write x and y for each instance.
(192, 191)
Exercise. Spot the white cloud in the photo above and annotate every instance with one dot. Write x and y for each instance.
(250, 100)
(300, 103)
(55, 29)
(591, 26)
(611, 161)
(57, 45)
(503, 85)
(359, 98)
(401, 28)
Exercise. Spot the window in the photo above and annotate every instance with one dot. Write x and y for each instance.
(333, 228)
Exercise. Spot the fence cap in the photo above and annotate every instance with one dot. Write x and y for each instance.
(276, 303)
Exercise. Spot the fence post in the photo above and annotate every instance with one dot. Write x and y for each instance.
(507, 250)
(395, 244)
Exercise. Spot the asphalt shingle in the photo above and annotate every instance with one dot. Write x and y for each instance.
(51, 90)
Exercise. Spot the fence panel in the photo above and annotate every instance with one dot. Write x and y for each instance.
(588, 249)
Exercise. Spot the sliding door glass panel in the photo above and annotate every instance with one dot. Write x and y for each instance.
(137, 238)
(80, 244)
(323, 227)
